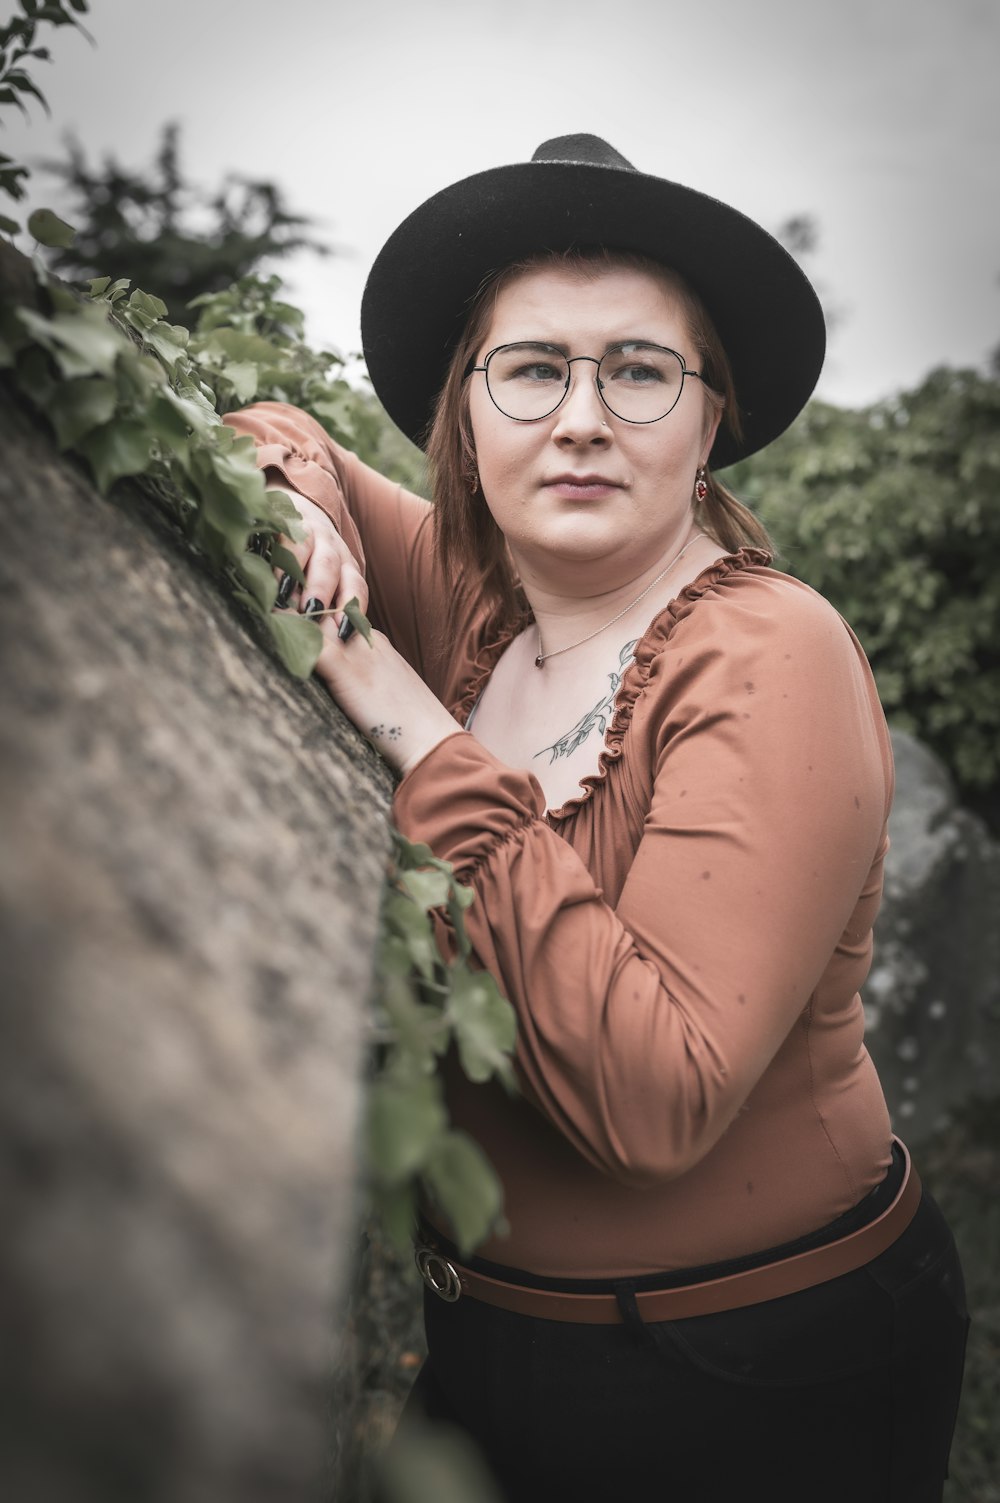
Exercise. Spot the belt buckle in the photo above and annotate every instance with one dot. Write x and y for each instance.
(440, 1276)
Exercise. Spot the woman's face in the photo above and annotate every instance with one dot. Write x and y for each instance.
(582, 485)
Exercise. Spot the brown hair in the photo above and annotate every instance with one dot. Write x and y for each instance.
(465, 533)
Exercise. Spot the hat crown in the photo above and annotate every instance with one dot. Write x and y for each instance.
(581, 151)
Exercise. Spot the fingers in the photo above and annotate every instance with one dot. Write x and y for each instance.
(352, 584)
(332, 573)
(330, 565)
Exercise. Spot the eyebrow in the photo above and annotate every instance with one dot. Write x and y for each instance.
(613, 344)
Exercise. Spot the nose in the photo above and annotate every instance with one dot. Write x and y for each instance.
(581, 417)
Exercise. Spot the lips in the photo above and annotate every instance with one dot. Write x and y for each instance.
(584, 480)
(574, 487)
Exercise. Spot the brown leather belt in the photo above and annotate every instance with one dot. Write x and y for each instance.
(450, 1280)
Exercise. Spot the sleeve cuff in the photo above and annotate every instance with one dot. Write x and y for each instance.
(461, 801)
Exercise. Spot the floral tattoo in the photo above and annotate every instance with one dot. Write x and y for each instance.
(598, 716)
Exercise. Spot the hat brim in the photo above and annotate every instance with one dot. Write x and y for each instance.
(417, 298)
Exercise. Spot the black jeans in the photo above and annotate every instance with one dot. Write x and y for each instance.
(844, 1393)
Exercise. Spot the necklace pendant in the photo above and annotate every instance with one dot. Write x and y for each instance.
(539, 661)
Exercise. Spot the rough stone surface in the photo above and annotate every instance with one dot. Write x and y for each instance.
(932, 999)
(193, 845)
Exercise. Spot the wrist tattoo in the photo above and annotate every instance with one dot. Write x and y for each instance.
(385, 732)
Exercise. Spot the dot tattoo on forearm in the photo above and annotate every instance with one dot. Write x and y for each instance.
(385, 732)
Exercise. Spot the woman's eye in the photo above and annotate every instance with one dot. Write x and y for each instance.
(537, 372)
(638, 375)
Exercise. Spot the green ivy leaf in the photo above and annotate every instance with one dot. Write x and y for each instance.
(414, 853)
(484, 1021)
(358, 619)
(284, 516)
(429, 889)
(397, 1211)
(224, 522)
(193, 410)
(260, 580)
(80, 405)
(299, 641)
(143, 309)
(48, 229)
(119, 448)
(169, 427)
(233, 460)
(394, 955)
(168, 341)
(230, 344)
(403, 918)
(242, 377)
(405, 1119)
(465, 1186)
(281, 558)
(82, 341)
(421, 1032)
(251, 603)
(97, 285)
(9, 226)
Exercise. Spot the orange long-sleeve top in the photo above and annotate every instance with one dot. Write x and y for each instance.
(684, 942)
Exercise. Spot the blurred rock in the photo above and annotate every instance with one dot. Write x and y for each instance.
(193, 847)
(932, 1000)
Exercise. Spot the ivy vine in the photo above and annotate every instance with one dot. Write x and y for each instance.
(133, 395)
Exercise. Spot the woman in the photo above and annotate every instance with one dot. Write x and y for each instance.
(663, 768)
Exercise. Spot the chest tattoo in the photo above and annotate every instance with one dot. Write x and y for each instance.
(595, 718)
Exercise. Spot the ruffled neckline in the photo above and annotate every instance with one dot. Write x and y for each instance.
(635, 677)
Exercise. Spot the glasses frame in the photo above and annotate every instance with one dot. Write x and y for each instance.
(571, 360)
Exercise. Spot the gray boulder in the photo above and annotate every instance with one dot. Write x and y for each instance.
(932, 1000)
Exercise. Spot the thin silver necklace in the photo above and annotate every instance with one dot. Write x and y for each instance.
(541, 656)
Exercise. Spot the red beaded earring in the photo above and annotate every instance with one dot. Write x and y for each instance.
(701, 485)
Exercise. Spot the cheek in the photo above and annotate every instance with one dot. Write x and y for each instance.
(502, 451)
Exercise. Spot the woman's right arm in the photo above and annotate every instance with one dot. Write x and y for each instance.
(379, 532)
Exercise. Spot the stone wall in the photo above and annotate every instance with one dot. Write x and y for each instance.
(193, 845)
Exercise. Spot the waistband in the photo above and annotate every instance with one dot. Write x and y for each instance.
(450, 1279)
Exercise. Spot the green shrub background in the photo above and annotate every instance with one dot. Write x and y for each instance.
(893, 513)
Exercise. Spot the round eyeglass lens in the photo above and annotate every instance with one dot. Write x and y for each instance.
(638, 382)
(527, 381)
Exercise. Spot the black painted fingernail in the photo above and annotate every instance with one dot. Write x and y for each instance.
(255, 543)
(285, 589)
(346, 627)
(312, 606)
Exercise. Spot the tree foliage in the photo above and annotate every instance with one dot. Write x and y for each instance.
(163, 234)
(18, 44)
(891, 513)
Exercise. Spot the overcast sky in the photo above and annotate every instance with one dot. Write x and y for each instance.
(880, 118)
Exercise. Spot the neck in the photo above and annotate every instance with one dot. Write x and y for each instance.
(566, 613)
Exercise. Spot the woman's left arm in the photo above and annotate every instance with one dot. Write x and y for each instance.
(384, 695)
(644, 1027)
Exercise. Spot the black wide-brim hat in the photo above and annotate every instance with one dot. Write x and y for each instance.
(578, 191)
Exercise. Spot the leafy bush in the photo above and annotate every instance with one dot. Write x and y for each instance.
(164, 234)
(891, 513)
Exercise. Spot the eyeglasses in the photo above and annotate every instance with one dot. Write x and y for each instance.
(638, 382)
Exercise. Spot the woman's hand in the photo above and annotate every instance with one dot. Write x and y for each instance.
(333, 574)
(387, 700)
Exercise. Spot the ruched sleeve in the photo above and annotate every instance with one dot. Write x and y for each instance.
(759, 758)
(387, 528)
